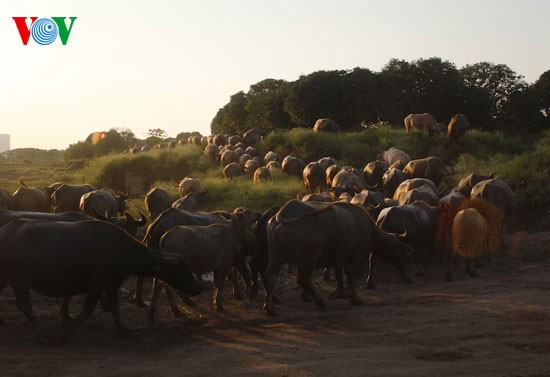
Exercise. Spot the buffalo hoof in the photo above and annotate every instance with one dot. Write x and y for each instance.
(219, 308)
(355, 300)
(270, 310)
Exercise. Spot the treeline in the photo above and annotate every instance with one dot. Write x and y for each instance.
(492, 96)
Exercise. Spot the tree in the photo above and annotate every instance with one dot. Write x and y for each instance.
(232, 117)
(498, 81)
(157, 132)
(542, 91)
(111, 142)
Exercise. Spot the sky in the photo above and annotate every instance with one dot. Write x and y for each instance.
(172, 64)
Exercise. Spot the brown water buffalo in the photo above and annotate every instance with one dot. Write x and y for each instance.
(330, 173)
(253, 135)
(211, 151)
(188, 185)
(273, 165)
(373, 201)
(423, 122)
(232, 170)
(157, 200)
(456, 128)
(424, 193)
(395, 158)
(216, 248)
(272, 156)
(33, 198)
(465, 184)
(314, 177)
(347, 181)
(468, 238)
(325, 162)
(431, 168)
(293, 166)
(67, 197)
(262, 174)
(60, 259)
(326, 125)
(251, 166)
(498, 193)
(104, 202)
(228, 156)
(190, 201)
(373, 173)
(313, 234)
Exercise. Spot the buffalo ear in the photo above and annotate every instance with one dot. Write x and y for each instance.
(142, 221)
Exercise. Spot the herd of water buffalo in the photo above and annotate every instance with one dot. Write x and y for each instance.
(65, 240)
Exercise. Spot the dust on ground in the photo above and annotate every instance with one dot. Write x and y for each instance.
(495, 325)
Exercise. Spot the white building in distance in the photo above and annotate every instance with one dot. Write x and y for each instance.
(4, 142)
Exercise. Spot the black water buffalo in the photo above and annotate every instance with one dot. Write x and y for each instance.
(456, 128)
(373, 173)
(189, 201)
(314, 177)
(61, 259)
(312, 234)
(431, 168)
(6, 199)
(391, 179)
(7, 215)
(413, 183)
(253, 135)
(326, 125)
(418, 221)
(395, 158)
(293, 166)
(216, 247)
(67, 197)
(105, 202)
(33, 198)
(425, 193)
(157, 200)
(465, 184)
(373, 201)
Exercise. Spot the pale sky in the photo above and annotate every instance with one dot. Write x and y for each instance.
(173, 64)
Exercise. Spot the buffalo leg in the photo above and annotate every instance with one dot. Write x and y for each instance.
(245, 273)
(271, 275)
(90, 303)
(111, 297)
(370, 278)
(172, 301)
(237, 292)
(157, 287)
(23, 302)
(138, 296)
(450, 264)
(469, 269)
(305, 273)
(219, 281)
(354, 273)
(254, 271)
(339, 291)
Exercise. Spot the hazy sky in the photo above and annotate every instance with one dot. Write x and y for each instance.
(173, 64)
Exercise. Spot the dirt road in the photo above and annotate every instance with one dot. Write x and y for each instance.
(495, 325)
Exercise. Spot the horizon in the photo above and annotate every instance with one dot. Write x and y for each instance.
(172, 66)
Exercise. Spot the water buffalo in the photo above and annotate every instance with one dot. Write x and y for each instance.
(6, 199)
(431, 168)
(418, 222)
(272, 156)
(33, 198)
(157, 200)
(456, 128)
(314, 177)
(468, 238)
(326, 125)
(414, 189)
(234, 139)
(423, 122)
(498, 193)
(262, 174)
(373, 173)
(244, 158)
(465, 184)
(253, 135)
(61, 259)
(188, 185)
(273, 165)
(190, 201)
(105, 202)
(373, 201)
(391, 179)
(325, 162)
(251, 166)
(293, 166)
(313, 234)
(215, 247)
(8, 215)
(232, 170)
(331, 172)
(67, 197)
(347, 181)
(211, 151)
(395, 158)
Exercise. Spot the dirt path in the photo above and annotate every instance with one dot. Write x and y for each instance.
(495, 325)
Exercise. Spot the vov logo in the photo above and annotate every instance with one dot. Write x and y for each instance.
(44, 31)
